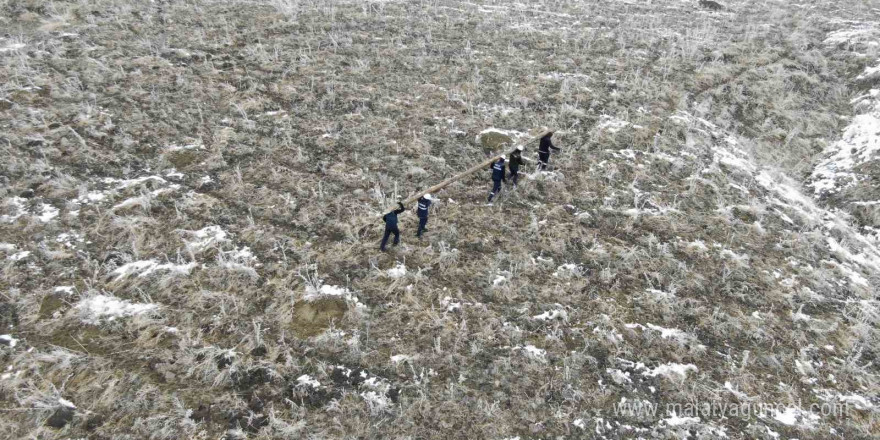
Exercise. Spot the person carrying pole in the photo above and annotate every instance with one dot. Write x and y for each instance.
(544, 150)
(422, 212)
(498, 176)
(390, 220)
(516, 160)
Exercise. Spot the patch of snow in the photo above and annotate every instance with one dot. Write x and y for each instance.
(144, 200)
(659, 294)
(67, 290)
(557, 76)
(739, 259)
(19, 256)
(795, 416)
(449, 304)
(869, 72)
(398, 358)
(308, 381)
(68, 239)
(784, 217)
(800, 315)
(858, 145)
(7, 247)
(10, 47)
(551, 315)
(312, 294)
(610, 124)
(675, 420)
(666, 333)
(398, 271)
(17, 204)
(545, 260)
(65, 402)
(868, 255)
(378, 402)
(854, 277)
(733, 157)
(533, 352)
(144, 268)
(861, 33)
(241, 255)
(499, 279)
(671, 369)
(551, 176)
(325, 290)
(8, 340)
(99, 307)
(579, 423)
(618, 376)
(91, 197)
(48, 212)
(860, 402)
(205, 238)
(862, 259)
(174, 174)
(193, 146)
(698, 245)
(739, 394)
(866, 203)
(567, 269)
(123, 184)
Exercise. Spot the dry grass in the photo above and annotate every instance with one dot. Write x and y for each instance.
(292, 125)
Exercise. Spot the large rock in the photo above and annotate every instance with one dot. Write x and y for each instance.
(492, 140)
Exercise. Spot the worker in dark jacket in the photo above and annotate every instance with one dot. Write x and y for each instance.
(544, 150)
(516, 160)
(391, 226)
(498, 176)
(422, 211)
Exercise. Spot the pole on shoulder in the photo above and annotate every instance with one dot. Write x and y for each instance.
(469, 171)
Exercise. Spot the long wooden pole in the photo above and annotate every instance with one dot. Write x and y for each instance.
(482, 165)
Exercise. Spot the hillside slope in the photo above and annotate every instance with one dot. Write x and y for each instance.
(191, 207)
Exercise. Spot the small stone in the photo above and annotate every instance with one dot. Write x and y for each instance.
(61, 417)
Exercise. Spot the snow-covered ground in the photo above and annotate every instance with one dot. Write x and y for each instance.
(845, 162)
(98, 308)
(190, 224)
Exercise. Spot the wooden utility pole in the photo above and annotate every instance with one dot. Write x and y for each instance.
(482, 165)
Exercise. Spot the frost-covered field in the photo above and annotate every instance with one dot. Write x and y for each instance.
(191, 193)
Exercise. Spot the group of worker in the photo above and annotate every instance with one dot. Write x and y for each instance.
(499, 175)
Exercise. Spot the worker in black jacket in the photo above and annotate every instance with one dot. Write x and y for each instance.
(391, 226)
(498, 176)
(516, 160)
(544, 150)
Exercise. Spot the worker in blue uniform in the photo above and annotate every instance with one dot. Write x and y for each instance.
(422, 212)
(498, 176)
(390, 220)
